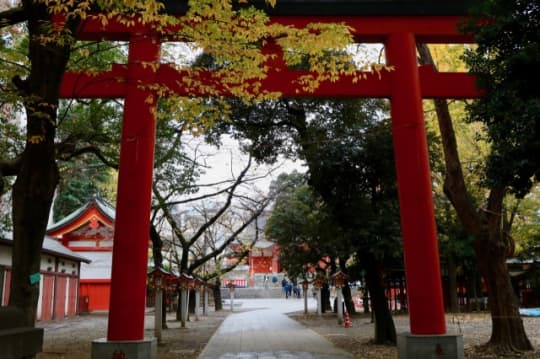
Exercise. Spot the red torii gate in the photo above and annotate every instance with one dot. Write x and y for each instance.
(406, 86)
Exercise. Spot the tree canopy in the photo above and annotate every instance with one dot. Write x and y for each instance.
(507, 55)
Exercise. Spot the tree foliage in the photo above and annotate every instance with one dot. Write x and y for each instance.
(484, 224)
(507, 55)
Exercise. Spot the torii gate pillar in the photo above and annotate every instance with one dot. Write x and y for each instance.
(418, 228)
(125, 333)
(414, 185)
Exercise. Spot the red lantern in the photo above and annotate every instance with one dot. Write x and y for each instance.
(318, 282)
(159, 278)
(340, 279)
(184, 281)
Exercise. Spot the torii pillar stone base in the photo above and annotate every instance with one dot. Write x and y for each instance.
(444, 346)
(132, 349)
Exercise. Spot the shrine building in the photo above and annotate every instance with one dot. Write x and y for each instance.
(262, 264)
(58, 277)
(89, 232)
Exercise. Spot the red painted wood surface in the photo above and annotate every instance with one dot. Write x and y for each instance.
(97, 293)
(60, 297)
(112, 84)
(47, 296)
(72, 296)
(130, 253)
(373, 29)
(418, 227)
(7, 284)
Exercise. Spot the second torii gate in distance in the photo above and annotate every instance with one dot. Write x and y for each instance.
(395, 25)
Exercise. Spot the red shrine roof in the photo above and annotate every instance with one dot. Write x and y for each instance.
(95, 211)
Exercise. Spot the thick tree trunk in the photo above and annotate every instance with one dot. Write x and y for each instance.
(508, 332)
(32, 197)
(385, 330)
(38, 175)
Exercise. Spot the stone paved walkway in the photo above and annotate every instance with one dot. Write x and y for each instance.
(267, 332)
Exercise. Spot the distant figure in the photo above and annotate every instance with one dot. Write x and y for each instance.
(287, 289)
(265, 281)
(297, 291)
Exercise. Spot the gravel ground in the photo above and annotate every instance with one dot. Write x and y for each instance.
(71, 338)
(475, 328)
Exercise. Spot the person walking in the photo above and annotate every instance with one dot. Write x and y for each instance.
(288, 290)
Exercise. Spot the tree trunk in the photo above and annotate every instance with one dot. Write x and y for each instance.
(325, 299)
(452, 285)
(508, 332)
(347, 298)
(385, 330)
(157, 246)
(218, 304)
(191, 309)
(179, 306)
(38, 175)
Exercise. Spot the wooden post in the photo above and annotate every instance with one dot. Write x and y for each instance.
(205, 301)
(197, 302)
(305, 288)
(184, 306)
(339, 305)
(158, 314)
(130, 251)
(420, 248)
(319, 301)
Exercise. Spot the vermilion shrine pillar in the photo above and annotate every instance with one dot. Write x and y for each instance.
(130, 251)
(421, 254)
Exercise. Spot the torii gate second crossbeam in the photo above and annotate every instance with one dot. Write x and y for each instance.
(406, 86)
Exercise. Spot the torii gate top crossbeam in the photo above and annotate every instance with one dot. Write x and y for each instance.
(426, 29)
(348, 7)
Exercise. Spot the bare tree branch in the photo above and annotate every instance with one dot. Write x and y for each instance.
(170, 219)
(198, 262)
(226, 205)
(67, 152)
